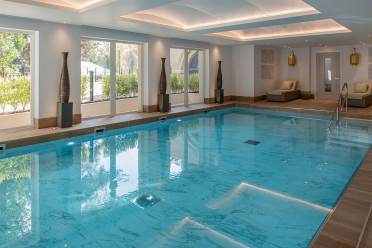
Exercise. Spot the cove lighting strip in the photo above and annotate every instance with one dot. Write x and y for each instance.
(310, 28)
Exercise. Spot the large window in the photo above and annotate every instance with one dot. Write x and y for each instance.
(15, 79)
(177, 77)
(101, 92)
(95, 78)
(187, 76)
(127, 77)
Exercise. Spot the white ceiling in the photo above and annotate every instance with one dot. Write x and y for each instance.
(291, 30)
(266, 22)
(193, 15)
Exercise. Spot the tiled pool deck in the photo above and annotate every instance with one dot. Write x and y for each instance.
(350, 224)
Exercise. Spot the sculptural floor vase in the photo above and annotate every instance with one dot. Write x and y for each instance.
(163, 97)
(219, 92)
(64, 107)
(64, 81)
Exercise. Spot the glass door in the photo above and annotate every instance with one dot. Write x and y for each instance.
(110, 78)
(195, 76)
(16, 72)
(187, 76)
(95, 84)
(177, 77)
(328, 75)
(127, 77)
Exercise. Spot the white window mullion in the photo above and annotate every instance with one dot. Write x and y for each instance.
(112, 78)
(186, 77)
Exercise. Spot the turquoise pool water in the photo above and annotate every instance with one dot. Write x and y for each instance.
(189, 182)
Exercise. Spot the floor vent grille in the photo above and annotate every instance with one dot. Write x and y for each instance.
(2, 147)
(252, 142)
(146, 200)
(99, 130)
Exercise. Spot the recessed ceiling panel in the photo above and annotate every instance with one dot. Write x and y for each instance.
(319, 27)
(192, 15)
(76, 5)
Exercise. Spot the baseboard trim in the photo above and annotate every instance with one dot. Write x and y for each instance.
(52, 121)
(236, 98)
(209, 100)
(246, 98)
(150, 108)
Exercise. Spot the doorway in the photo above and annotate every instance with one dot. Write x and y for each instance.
(328, 75)
(187, 76)
(17, 57)
(111, 76)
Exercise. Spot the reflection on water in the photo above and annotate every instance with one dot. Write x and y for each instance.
(80, 192)
(67, 181)
(15, 198)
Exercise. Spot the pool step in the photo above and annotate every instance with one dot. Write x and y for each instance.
(348, 143)
(351, 136)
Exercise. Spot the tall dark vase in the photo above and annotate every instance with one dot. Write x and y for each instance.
(64, 107)
(64, 81)
(163, 98)
(219, 92)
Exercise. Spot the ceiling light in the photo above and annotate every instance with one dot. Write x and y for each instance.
(75, 5)
(319, 27)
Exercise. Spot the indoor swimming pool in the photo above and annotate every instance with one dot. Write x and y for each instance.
(226, 178)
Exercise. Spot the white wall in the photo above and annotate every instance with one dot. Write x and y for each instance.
(261, 86)
(299, 72)
(55, 38)
(246, 71)
(223, 53)
(349, 73)
(305, 70)
(243, 73)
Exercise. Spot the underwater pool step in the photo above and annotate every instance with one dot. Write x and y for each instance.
(349, 143)
(352, 135)
(352, 138)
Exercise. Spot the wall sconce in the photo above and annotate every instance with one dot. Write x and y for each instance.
(354, 58)
(292, 60)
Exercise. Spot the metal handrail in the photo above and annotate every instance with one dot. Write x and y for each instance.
(341, 103)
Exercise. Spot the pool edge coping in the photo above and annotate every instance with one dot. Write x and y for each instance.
(58, 133)
(326, 235)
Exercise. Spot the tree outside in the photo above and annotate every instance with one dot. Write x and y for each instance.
(15, 78)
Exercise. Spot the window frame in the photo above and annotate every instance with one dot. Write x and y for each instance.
(112, 98)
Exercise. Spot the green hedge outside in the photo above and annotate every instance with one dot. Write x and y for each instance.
(16, 93)
(177, 83)
(126, 85)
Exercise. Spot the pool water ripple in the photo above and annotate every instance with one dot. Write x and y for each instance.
(211, 188)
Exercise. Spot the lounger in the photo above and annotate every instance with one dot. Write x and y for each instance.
(287, 92)
(361, 95)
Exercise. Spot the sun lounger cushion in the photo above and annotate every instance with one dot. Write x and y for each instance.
(361, 88)
(357, 96)
(288, 85)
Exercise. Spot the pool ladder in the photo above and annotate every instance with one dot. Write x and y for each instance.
(342, 105)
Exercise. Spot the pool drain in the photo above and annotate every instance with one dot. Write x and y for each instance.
(146, 200)
(252, 142)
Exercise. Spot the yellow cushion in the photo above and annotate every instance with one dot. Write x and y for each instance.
(287, 85)
(361, 88)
